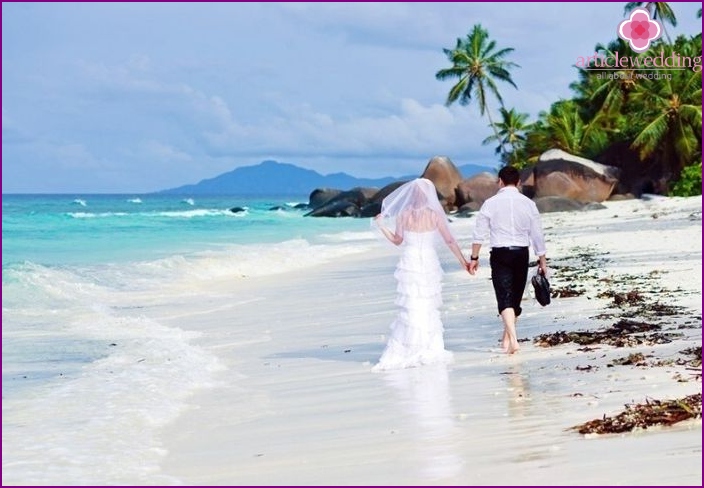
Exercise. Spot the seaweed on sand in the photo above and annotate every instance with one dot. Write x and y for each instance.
(624, 333)
(644, 415)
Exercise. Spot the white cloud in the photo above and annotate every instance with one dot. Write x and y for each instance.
(411, 129)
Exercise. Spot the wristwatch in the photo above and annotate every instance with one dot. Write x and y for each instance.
(474, 258)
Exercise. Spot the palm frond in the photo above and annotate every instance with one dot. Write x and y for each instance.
(456, 92)
(477, 63)
(648, 139)
(664, 12)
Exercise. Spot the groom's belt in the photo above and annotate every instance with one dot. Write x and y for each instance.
(510, 248)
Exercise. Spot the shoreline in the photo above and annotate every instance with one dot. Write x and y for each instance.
(297, 404)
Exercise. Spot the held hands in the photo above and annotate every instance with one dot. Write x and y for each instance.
(472, 267)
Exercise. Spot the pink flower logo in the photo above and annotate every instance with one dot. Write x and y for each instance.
(639, 30)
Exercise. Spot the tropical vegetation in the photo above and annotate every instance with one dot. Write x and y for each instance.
(510, 133)
(655, 115)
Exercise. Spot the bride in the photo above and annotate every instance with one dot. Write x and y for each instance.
(419, 222)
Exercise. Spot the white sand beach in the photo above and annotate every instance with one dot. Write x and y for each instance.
(296, 403)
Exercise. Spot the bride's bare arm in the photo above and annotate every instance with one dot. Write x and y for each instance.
(451, 241)
(395, 237)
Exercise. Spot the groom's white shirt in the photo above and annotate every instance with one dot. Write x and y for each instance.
(510, 218)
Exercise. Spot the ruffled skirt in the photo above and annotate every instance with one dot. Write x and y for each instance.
(416, 336)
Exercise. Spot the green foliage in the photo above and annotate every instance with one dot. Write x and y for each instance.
(565, 127)
(658, 117)
(510, 133)
(690, 182)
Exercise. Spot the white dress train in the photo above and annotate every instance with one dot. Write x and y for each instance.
(416, 336)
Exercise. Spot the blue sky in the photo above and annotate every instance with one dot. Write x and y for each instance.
(138, 97)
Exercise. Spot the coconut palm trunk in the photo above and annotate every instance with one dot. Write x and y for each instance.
(496, 131)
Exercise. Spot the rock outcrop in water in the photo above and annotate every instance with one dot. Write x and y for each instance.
(558, 182)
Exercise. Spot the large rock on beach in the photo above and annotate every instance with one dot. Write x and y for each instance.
(527, 181)
(562, 204)
(358, 195)
(373, 206)
(321, 196)
(446, 178)
(561, 174)
(343, 204)
(338, 208)
(386, 191)
(477, 189)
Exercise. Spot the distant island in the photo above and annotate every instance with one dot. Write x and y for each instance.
(275, 178)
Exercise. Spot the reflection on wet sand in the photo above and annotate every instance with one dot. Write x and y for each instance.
(532, 441)
(518, 389)
(424, 394)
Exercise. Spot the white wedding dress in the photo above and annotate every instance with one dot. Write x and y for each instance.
(416, 336)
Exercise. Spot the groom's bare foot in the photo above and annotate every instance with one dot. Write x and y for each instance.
(505, 342)
(510, 343)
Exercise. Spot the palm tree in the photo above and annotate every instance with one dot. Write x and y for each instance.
(476, 62)
(658, 11)
(511, 132)
(670, 110)
(564, 128)
(602, 95)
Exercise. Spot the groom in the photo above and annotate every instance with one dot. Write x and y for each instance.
(512, 222)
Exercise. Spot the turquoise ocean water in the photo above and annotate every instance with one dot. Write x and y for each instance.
(86, 378)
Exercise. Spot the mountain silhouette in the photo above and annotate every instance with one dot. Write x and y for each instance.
(274, 178)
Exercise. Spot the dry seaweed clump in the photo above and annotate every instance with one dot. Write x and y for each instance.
(644, 415)
(696, 353)
(633, 359)
(624, 333)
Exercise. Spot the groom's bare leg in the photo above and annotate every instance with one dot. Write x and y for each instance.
(505, 339)
(509, 341)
